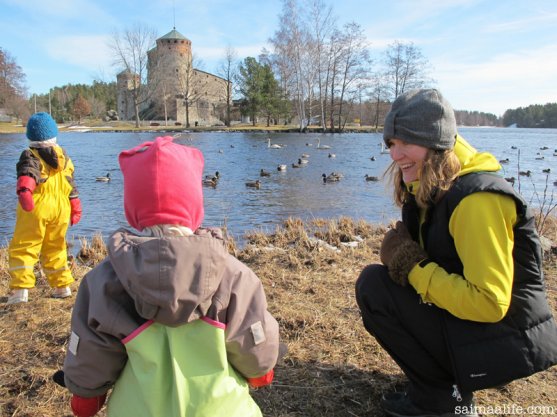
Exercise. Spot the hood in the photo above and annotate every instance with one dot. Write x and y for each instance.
(171, 279)
(473, 161)
(53, 156)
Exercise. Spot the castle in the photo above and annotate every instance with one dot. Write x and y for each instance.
(177, 91)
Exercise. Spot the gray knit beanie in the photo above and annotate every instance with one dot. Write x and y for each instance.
(421, 117)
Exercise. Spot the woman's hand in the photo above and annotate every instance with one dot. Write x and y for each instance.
(399, 253)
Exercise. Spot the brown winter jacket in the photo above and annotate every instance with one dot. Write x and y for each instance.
(173, 281)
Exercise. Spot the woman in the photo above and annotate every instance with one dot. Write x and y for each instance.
(459, 302)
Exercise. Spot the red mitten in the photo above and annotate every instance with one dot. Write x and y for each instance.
(87, 407)
(262, 380)
(25, 187)
(75, 215)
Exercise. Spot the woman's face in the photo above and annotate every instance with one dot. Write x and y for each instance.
(408, 157)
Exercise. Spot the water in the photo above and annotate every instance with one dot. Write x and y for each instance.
(297, 192)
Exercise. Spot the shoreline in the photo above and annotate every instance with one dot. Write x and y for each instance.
(124, 127)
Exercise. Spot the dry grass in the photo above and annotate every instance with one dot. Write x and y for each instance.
(333, 367)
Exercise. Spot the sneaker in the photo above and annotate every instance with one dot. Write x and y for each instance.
(20, 295)
(398, 404)
(61, 292)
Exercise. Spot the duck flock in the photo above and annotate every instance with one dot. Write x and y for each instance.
(528, 173)
(302, 161)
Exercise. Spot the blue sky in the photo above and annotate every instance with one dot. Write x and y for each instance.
(486, 55)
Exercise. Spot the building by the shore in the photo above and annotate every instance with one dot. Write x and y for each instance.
(177, 91)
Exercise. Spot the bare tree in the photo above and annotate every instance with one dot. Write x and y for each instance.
(406, 68)
(12, 85)
(130, 49)
(291, 46)
(322, 25)
(191, 85)
(228, 70)
(354, 64)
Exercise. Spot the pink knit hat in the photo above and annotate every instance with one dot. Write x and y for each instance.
(162, 184)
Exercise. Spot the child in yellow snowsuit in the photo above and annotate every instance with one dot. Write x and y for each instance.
(48, 203)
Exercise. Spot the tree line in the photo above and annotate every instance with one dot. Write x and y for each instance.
(317, 73)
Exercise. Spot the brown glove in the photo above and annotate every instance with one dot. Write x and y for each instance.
(399, 253)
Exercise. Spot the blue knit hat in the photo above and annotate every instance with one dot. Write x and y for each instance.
(41, 126)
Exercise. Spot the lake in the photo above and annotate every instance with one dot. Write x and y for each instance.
(297, 192)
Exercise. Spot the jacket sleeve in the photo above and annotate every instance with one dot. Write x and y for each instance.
(95, 356)
(252, 334)
(482, 229)
(29, 165)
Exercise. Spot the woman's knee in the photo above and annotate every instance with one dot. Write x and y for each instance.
(370, 283)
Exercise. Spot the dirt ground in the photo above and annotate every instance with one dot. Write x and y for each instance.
(333, 366)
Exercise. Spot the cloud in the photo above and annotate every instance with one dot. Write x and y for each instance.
(520, 25)
(90, 52)
(508, 80)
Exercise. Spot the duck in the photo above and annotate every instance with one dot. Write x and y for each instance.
(372, 158)
(513, 147)
(319, 146)
(296, 165)
(546, 170)
(215, 177)
(274, 145)
(371, 178)
(539, 158)
(104, 179)
(253, 184)
(209, 182)
(281, 167)
(543, 148)
(525, 173)
(504, 161)
(302, 161)
(384, 149)
(264, 173)
(511, 180)
(332, 155)
(305, 155)
(332, 177)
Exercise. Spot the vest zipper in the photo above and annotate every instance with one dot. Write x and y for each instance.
(456, 393)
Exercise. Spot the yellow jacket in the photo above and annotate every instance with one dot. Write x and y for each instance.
(482, 229)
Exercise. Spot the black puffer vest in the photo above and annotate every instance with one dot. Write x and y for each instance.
(525, 341)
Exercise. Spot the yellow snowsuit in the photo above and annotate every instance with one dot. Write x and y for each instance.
(42, 231)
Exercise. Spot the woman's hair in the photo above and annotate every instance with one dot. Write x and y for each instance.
(439, 170)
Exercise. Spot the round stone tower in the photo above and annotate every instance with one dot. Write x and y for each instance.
(169, 61)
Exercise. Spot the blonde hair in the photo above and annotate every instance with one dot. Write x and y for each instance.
(437, 173)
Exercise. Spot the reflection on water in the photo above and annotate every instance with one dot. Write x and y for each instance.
(239, 157)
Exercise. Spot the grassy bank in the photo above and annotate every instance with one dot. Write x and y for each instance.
(333, 367)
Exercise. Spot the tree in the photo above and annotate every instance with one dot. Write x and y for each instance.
(250, 86)
(322, 25)
(191, 85)
(405, 68)
(130, 49)
(81, 108)
(354, 63)
(291, 46)
(228, 71)
(12, 86)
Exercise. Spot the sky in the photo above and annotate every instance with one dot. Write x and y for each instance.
(485, 55)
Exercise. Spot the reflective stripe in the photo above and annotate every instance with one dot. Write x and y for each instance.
(15, 268)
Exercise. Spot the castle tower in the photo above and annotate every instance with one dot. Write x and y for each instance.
(124, 86)
(170, 68)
